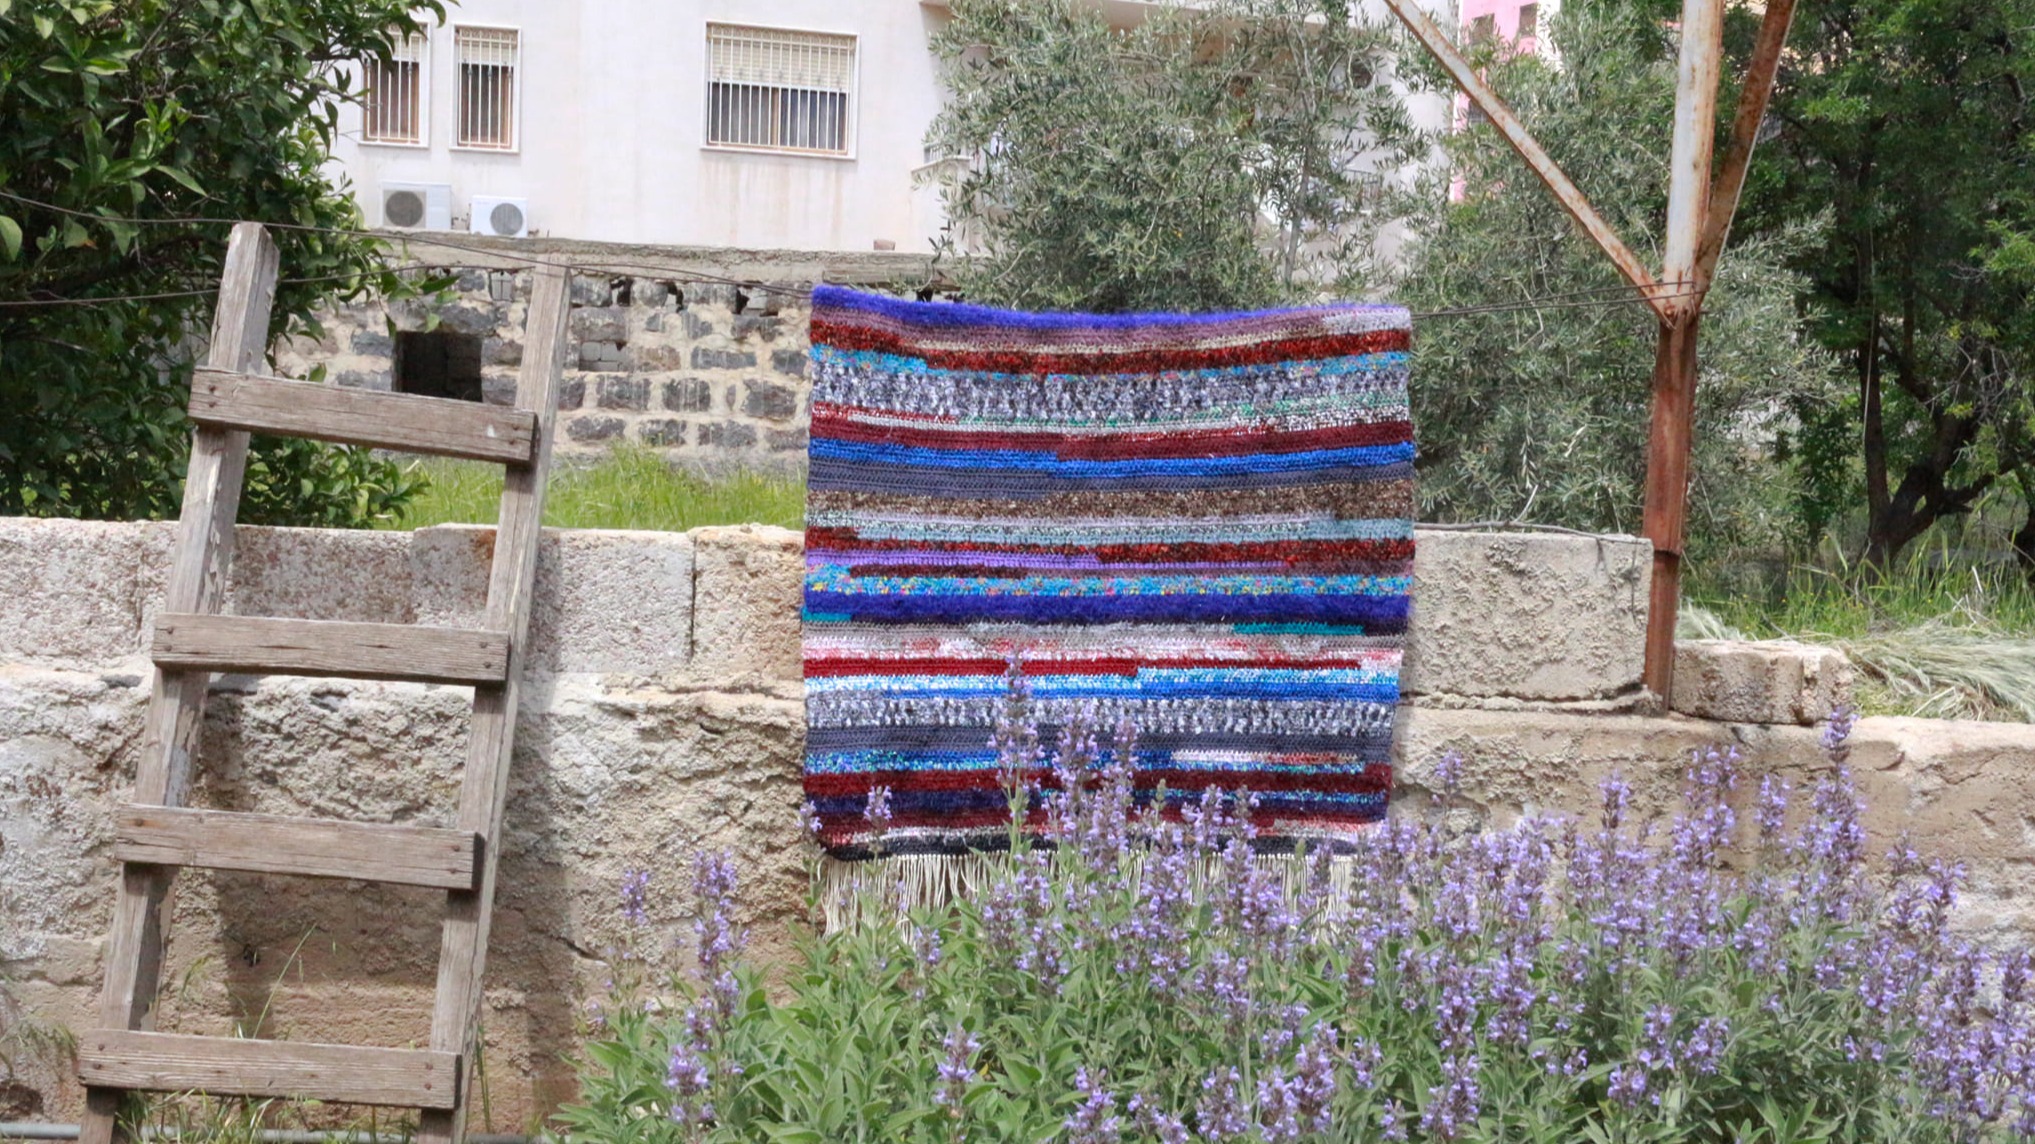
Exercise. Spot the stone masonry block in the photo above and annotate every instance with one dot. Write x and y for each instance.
(499, 387)
(785, 440)
(606, 601)
(695, 326)
(661, 432)
(600, 355)
(727, 435)
(704, 358)
(619, 391)
(79, 593)
(572, 393)
(502, 351)
(688, 395)
(748, 582)
(600, 324)
(449, 574)
(321, 574)
(612, 601)
(373, 343)
(656, 359)
(790, 363)
(588, 290)
(1528, 616)
(1759, 681)
(586, 428)
(769, 400)
(757, 325)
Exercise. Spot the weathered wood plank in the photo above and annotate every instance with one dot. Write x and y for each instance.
(1542, 164)
(165, 1062)
(199, 564)
(309, 847)
(462, 956)
(262, 646)
(400, 421)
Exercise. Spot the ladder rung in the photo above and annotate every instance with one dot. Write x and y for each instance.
(169, 1062)
(264, 646)
(312, 847)
(402, 421)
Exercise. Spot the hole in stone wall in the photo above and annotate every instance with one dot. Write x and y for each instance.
(621, 288)
(741, 299)
(438, 363)
(677, 295)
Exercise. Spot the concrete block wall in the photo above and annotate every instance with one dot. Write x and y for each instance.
(664, 716)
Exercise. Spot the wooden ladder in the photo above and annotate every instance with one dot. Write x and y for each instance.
(157, 833)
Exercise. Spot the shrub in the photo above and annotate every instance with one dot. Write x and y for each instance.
(1142, 975)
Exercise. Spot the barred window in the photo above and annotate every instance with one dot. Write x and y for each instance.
(394, 105)
(488, 59)
(784, 90)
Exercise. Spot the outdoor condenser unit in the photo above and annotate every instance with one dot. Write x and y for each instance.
(417, 206)
(501, 217)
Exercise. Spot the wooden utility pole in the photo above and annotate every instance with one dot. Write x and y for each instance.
(1672, 433)
(1699, 221)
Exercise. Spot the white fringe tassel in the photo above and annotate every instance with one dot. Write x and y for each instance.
(885, 889)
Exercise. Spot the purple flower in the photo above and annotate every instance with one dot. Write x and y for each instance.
(1094, 1120)
(1452, 1105)
(877, 812)
(1220, 1114)
(635, 897)
(720, 939)
(957, 1067)
(1837, 732)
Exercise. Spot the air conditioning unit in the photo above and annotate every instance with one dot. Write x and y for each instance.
(417, 206)
(503, 218)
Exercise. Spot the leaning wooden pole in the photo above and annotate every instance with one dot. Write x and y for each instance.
(1671, 436)
(1536, 158)
(1752, 105)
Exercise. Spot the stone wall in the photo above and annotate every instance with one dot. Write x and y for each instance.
(662, 350)
(664, 716)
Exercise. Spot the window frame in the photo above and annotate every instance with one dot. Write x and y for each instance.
(518, 81)
(423, 140)
(853, 127)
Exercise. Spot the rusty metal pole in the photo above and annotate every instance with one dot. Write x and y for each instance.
(1674, 373)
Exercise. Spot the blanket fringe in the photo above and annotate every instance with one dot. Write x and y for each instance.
(885, 889)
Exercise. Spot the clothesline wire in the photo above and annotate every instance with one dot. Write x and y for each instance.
(197, 293)
(1593, 297)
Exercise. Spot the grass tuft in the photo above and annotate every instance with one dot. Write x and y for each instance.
(631, 488)
(1935, 637)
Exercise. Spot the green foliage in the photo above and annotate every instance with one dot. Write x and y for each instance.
(630, 487)
(1906, 124)
(167, 109)
(1543, 413)
(1193, 161)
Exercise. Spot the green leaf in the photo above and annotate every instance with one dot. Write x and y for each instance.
(181, 176)
(10, 231)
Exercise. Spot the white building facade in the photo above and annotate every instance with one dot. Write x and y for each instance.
(793, 124)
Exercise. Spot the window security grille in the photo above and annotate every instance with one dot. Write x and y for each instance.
(784, 90)
(488, 59)
(395, 94)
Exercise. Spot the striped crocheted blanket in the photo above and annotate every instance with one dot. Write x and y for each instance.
(1198, 523)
